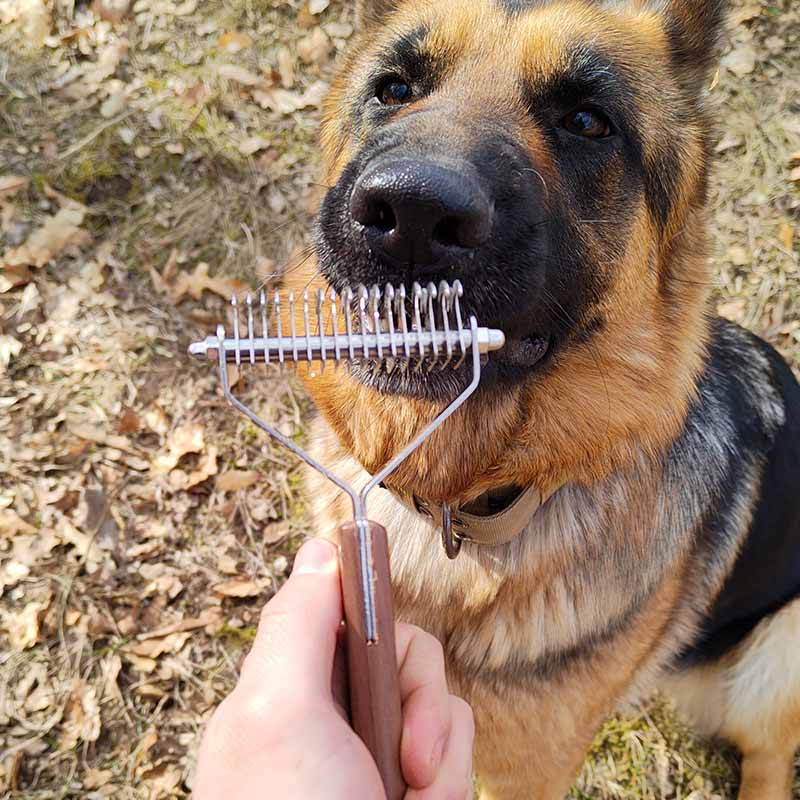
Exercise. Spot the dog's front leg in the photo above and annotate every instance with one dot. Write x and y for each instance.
(530, 746)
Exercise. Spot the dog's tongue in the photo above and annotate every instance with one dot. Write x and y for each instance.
(523, 352)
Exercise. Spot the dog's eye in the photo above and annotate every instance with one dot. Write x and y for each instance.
(394, 91)
(587, 122)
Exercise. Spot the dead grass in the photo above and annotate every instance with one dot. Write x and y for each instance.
(142, 524)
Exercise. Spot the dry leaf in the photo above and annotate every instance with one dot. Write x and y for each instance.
(81, 721)
(286, 67)
(745, 13)
(156, 420)
(11, 184)
(794, 175)
(227, 564)
(236, 480)
(195, 283)
(279, 100)
(239, 75)
(233, 41)
(96, 778)
(252, 145)
(23, 626)
(11, 524)
(11, 277)
(37, 21)
(163, 779)
(730, 140)
(284, 102)
(786, 235)
(129, 422)
(275, 531)
(150, 690)
(209, 617)
(733, 310)
(740, 61)
(141, 663)
(187, 438)
(45, 243)
(111, 666)
(314, 48)
(10, 348)
(153, 648)
(86, 547)
(738, 256)
(116, 101)
(318, 6)
(206, 467)
(111, 10)
(237, 587)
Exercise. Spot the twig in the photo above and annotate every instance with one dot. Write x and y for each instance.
(78, 146)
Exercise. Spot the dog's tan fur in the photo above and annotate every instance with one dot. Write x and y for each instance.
(599, 562)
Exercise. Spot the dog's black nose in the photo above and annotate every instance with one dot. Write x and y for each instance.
(419, 212)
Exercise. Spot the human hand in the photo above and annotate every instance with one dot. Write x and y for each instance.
(283, 734)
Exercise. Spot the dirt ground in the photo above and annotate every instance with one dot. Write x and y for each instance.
(155, 157)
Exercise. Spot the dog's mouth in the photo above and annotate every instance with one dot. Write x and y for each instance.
(440, 380)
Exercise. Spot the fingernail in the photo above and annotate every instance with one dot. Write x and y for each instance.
(317, 555)
(438, 752)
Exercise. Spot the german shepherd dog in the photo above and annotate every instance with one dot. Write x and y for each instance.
(554, 156)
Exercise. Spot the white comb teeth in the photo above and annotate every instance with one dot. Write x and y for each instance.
(389, 326)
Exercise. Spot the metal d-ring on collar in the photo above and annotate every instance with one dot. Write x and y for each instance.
(451, 539)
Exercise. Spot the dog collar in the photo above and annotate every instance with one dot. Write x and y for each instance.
(488, 530)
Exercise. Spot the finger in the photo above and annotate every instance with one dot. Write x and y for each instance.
(426, 704)
(294, 648)
(454, 776)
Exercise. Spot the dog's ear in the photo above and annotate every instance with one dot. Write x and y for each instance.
(372, 12)
(695, 28)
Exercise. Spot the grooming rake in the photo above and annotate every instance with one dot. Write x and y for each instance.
(382, 330)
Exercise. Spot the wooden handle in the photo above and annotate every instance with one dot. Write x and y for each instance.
(375, 711)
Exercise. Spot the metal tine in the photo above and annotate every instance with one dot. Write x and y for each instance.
(337, 353)
(307, 326)
(432, 294)
(363, 297)
(320, 329)
(292, 328)
(402, 315)
(445, 301)
(388, 310)
(278, 332)
(264, 324)
(237, 351)
(375, 305)
(347, 308)
(416, 297)
(250, 330)
(458, 293)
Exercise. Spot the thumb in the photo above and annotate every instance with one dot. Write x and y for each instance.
(294, 648)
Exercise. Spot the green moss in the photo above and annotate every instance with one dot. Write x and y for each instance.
(242, 635)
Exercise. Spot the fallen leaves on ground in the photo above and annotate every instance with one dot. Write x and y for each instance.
(195, 283)
(237, 587)
(236, 480)
(59, 232)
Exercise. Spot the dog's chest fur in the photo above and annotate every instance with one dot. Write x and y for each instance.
(587, 563)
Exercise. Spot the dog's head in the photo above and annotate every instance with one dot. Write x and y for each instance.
(552, 155)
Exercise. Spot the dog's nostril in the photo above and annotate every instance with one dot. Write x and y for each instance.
(383, 217)
(447, 232)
